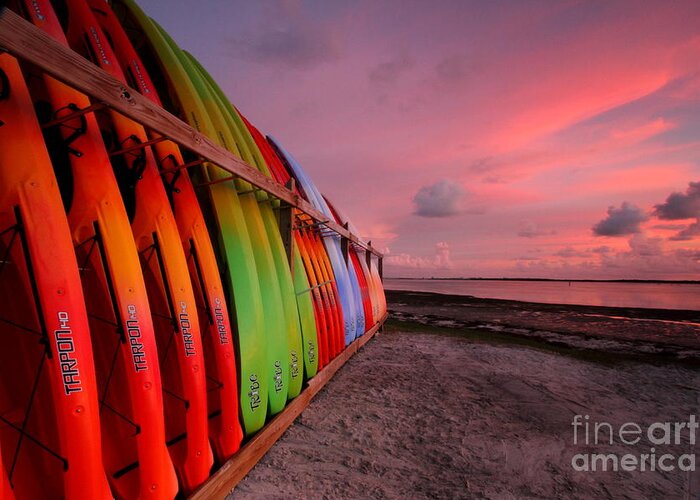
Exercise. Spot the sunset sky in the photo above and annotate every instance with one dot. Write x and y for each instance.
(485, 138)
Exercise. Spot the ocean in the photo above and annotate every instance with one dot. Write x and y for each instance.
(626, 294)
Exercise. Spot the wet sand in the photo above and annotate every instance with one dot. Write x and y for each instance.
(670, 333)
(425, 411)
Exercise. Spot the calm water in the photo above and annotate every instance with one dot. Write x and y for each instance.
(656, 295)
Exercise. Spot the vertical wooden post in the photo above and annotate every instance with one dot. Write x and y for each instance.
(286, 229)
(368, 256)
(286, 218)
(344, 242)
(380, 268)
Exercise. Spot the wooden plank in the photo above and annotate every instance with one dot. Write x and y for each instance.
(26, 41)
(232, 472)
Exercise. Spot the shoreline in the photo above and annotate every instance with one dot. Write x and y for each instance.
(657, 333)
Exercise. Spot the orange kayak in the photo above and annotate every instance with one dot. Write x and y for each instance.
(50, 428)
(163, 263)
(123, 338)
(224, 426)
(225, 218)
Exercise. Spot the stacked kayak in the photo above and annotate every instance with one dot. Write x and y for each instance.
(153, 315)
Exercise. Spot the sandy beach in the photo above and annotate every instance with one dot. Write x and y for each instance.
(432, 408)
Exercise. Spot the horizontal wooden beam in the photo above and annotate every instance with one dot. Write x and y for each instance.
(26, 41)
(232, 472)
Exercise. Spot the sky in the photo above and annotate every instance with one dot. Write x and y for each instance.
(556, 139)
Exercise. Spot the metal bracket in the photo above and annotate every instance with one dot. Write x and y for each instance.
(140, 145)
(76, 114)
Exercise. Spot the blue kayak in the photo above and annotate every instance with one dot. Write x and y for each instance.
(346, 279)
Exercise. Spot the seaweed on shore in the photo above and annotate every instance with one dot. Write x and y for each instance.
(610, 348)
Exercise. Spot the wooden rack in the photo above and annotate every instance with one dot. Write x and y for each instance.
(25, 41)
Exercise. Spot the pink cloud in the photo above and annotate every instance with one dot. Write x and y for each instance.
(439, 261)
(642, 132)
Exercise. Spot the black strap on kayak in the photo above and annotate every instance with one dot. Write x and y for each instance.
(137, 154)
(4, 89)
(34, 440)
(176, 173)
(200, 280)
(154, 251)
(6, 259)
(147, 254)
(87, 272)
(4, 85)
(166, 283)
(22, 429)
(32, 280)
(128, 169)
(97, 244)
(76, 130)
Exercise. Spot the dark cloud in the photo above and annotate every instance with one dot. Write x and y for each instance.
(442, 199)
(299, 46)
(680, 206)
(689, 233)
(620, 221)
(390, 71)
(669, 227)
